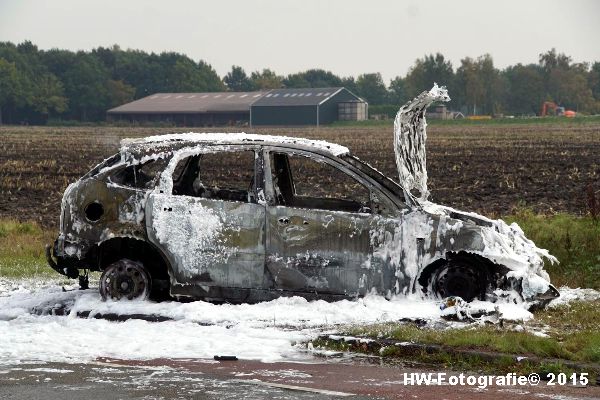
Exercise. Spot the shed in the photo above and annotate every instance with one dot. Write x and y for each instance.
(307, 106)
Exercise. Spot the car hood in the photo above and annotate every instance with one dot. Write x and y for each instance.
(501, 243)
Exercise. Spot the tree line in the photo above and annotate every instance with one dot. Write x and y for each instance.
(38, 85)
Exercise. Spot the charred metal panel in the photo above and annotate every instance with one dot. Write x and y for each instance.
(316, 250)
(209, 242)
(122, 213)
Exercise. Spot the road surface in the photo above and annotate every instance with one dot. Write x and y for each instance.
(209, 379)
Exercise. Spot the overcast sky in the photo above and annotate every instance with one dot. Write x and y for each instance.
(347, 37)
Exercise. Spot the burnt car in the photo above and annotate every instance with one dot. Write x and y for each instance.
(248, 218)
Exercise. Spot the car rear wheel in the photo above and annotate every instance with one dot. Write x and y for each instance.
(459, 279)
(125, 279)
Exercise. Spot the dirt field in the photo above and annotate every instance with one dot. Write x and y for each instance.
(489, 169)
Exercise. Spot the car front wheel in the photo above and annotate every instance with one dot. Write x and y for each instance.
(125, 279)
(458, 279)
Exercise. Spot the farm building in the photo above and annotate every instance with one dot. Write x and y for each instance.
(272, 107)
(310, 106)
(189, 109)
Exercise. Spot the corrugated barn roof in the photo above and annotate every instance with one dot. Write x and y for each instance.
(227, 102)
(296, 97)
(191, 103)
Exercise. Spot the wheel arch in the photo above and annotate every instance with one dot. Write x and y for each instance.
(491, 270)
(150, 256)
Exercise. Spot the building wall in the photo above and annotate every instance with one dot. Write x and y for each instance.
(328, 111)
(352, 111)
(200, 119)
(284, 115)
(300, 115)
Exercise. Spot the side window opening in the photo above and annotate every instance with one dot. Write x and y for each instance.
(109, 162)
(140, 176)
(300, 181)
(223, 175)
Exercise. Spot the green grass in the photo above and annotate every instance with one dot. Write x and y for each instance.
(575, 326)
(22, 250)
(575, 241)
(572, 330)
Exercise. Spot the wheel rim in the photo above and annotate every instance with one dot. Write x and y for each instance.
(124, 279)
(458, 280)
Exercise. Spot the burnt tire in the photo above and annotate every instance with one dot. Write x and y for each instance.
(461, 279)
(125, 279)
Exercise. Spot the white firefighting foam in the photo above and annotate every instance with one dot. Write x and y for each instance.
(501, 243)
(410, 136)
(267, 331)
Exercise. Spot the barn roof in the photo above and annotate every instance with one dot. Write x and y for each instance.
(190, 103)
(296, 97)
(223, 102)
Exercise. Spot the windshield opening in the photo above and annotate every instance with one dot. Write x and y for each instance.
(109, 162)
(376, 175)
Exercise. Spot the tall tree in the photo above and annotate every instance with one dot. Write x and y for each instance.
(594, 84)
(494, 85)
(372, 88)
(398, 93)
(10, 85)
(426, 71)
(594, 80)
(471, 88)
(314, 78)
(480, 87)
(350, 84)
(211, 81)
(525, 92)
(266, 79)
(237, 80)
(48, 96)
(85, 85)
(567, 82)
(119, 92)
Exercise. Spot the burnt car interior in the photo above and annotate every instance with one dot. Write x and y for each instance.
(141, 176)
(219, 176)
(299, 181)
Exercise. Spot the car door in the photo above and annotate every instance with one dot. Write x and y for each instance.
(206, 218)
(318, 223)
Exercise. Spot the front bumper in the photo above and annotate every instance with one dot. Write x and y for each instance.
(541, 300)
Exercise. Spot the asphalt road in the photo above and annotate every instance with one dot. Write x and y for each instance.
(208, 379)
(96, 381)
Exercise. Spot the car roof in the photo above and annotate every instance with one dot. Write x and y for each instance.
(141, 147)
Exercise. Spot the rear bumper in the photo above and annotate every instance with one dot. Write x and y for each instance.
(65, 263)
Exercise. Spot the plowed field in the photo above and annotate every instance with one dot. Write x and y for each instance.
(485, 168)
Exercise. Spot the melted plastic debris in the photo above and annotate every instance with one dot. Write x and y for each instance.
(567, 295)
(410, 135)
(226, 138)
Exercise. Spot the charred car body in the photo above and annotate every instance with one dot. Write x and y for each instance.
(246, 218)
